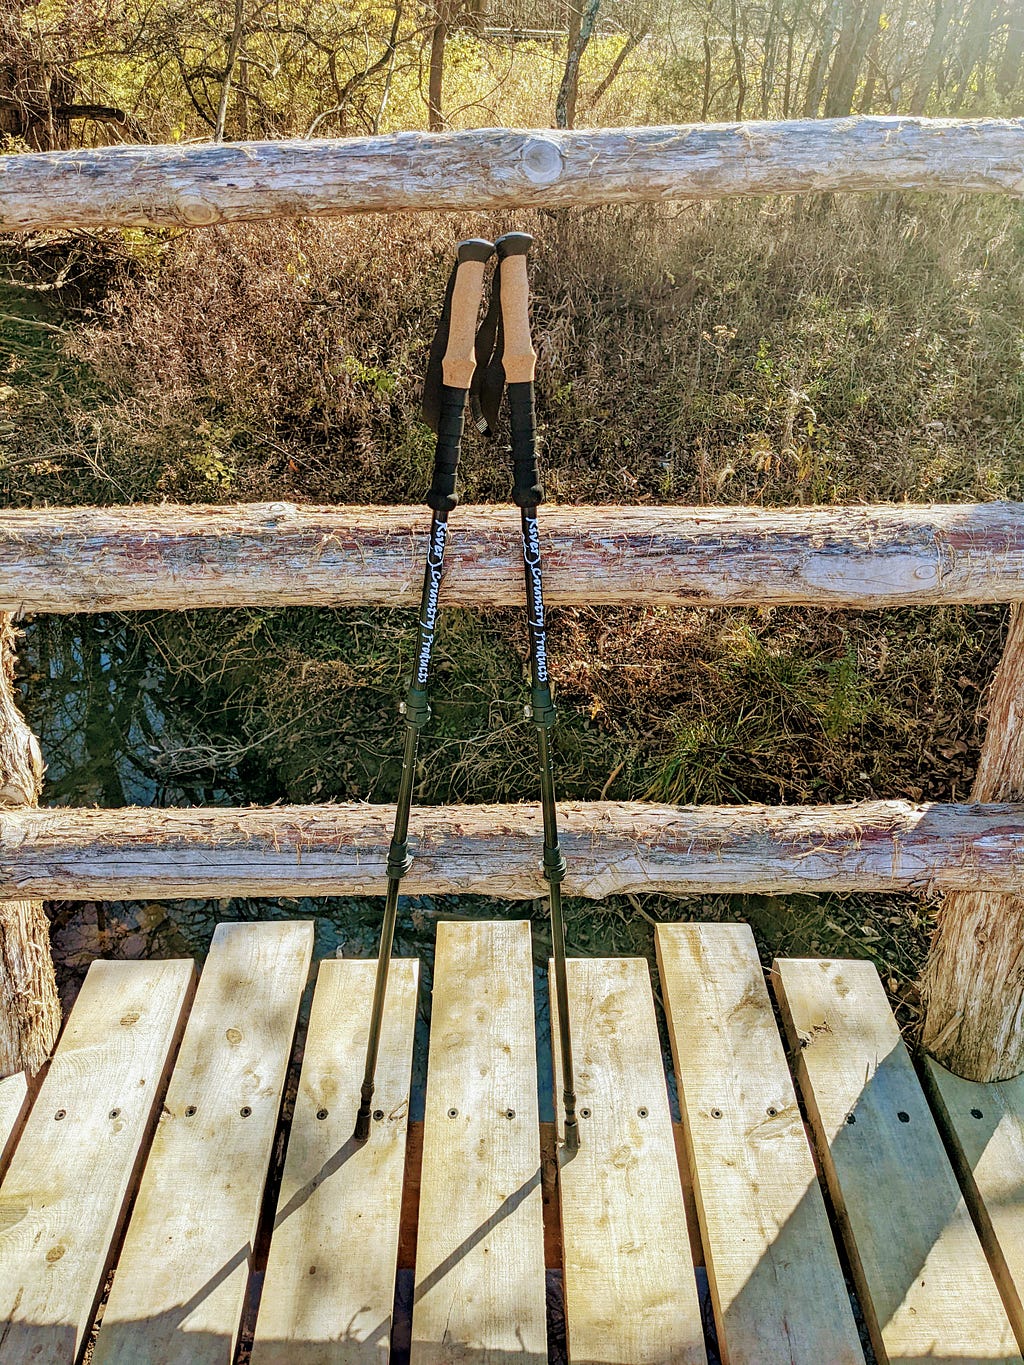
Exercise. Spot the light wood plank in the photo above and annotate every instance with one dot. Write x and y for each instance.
(330, 1282)
(13, 1108)
(480, 1251)
(925, 1286)
(776, 1281)
(181, 1278)
(984, 1127)
(630, 1288)
(67, 1187)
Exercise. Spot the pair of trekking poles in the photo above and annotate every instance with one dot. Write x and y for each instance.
(500, 355)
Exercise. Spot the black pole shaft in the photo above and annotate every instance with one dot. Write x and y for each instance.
(543, 711)
(416, 709)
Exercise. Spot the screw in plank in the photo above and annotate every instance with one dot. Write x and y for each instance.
(322, 1113)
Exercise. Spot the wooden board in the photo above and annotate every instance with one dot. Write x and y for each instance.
(480, 1252)
(13, 1108)
(630, 1288)
(924, 1283)
(181, 1278)
(984, 1128)
(330, 1281)
(65, 1193)
(775, 1277)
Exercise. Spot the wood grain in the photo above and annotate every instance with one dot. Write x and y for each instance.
(973, 982)
(924, 1283)
(776, 1281)
(13, 1110)
(480, 1252)
(82, 559)
(183, 1271)
(330, 1280)
(194, 186)
(610, 847)
(984, 1129)
(73, 1171)
(630, 1290)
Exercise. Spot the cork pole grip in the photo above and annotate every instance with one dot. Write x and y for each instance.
(520, 359)
(460, 355)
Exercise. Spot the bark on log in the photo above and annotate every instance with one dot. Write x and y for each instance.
(610, 847)
(29, 1005)
(100, 559)
(193, 186)
(973, 983)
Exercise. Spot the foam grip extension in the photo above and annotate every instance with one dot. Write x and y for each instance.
(526, 485)
(441, 495)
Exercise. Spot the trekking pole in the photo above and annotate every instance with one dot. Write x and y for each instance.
(449, 375)
(519, 360)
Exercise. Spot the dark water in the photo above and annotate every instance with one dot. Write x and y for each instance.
(114, 721)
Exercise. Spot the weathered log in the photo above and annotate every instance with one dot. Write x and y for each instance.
(973, 983)
(29, 1005)
(191, 186)
(495, 850)
(125, 558)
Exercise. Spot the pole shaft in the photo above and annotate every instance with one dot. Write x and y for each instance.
(416, 710)
(543, 711)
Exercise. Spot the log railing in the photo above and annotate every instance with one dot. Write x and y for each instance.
(128, 558)
(193, 186)
(610, 847)
(89, 560)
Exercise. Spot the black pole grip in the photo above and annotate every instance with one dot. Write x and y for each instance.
(527, 490)
(441, 496)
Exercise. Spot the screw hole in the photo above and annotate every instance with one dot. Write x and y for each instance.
(378, 1114)
(977, 1114)
(851, 1119)
(643, 1111)
(584, 1113)
(771, 1111)
(510, 1113)
(60, 1114)
(245, 1111)
(453, 1113)
(716, 1113)
(322, 1113)
(115, 1113)
(190, 1110)
(903, 1116)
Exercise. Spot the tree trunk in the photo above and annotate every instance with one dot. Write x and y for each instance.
(435, 77)
(166, 557)
(29, 1006)
(234, 43)
(1008, 70)
(931, 63)
(195, 186)
(610, 847)
(565, 103)
(859, 27)
(973, 984)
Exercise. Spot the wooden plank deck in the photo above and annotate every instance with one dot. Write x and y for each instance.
(630, 1290)
(926, 1287)
(778, 1289)
(190, 1274)
(480, 1255)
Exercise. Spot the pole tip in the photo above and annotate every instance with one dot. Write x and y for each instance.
(572, 1137)
(362, 1128)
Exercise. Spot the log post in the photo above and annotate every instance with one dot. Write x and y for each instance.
(973, 982)
(29, 1005)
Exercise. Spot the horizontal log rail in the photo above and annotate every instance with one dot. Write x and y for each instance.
(610, 847)
(192, 186)
(131, 558)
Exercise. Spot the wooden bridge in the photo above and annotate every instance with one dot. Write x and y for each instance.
(178, 1181)
(158, 1203)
